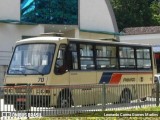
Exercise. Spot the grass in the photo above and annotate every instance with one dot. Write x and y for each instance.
(100, 115)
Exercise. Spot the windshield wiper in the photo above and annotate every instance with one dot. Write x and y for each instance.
(33, 70)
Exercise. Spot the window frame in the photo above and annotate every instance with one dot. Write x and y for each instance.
(107, 57)
(127, 58)
(143, 58)
(117, 56)
(65, 67)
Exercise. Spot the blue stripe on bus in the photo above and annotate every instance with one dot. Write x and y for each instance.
(105, 78)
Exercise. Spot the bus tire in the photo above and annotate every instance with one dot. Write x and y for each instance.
(144, 99)
(64, 99)
(126, 96)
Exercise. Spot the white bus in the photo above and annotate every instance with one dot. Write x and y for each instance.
(47, 61)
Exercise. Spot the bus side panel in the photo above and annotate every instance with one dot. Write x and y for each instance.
(113, 91)
(116, 83)
(117, 78)
(145, 77)
(139, 84)
(144, 87)
(84, 81)
(58, 80)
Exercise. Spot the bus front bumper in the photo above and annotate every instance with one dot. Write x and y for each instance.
(33, 100)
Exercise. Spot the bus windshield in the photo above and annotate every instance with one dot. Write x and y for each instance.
(31, 59)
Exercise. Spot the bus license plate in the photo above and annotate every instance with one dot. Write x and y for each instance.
(21, 99)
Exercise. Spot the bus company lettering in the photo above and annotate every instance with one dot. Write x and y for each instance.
(129, 80)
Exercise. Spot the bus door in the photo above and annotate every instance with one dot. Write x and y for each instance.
(61, 72)
(82, 72)
(82, 67)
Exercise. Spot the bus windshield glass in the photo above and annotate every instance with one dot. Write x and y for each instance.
(32, 59)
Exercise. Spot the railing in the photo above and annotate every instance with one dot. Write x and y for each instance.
(36, 101)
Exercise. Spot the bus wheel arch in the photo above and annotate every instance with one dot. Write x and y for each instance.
(64, 99)
(126, 96)
(144, 99)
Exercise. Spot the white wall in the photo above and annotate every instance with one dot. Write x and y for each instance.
(2, 73)
(152, 39)
(96, 15)
(10, 9)
(10, 33)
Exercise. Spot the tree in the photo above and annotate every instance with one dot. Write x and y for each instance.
(132, 13)
(150, 1)
(155, 8)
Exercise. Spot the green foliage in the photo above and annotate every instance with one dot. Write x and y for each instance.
(155, 8)
(129, 13)
(132, 13)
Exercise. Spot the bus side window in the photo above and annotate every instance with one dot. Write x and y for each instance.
(86, 57)
(106, 57)
(75, 60)
(127, 58)
(60, 65)
(143, 58)
(74, 56)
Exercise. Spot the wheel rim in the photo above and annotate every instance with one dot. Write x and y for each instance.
(65, 102)
(125, 97)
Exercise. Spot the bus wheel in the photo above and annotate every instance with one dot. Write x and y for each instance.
(64, 100)
(19, 106)
(126, 96)
(144, 99)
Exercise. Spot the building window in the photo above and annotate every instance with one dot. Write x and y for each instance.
(50, 11)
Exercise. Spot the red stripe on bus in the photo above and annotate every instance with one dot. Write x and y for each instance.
(115, 79)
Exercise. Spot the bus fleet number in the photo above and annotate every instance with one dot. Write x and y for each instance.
(41, 80)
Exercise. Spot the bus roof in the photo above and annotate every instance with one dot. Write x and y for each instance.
(107, 41)
(52, 39)
(40, 39)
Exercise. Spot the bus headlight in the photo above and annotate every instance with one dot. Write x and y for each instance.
(8, 90)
